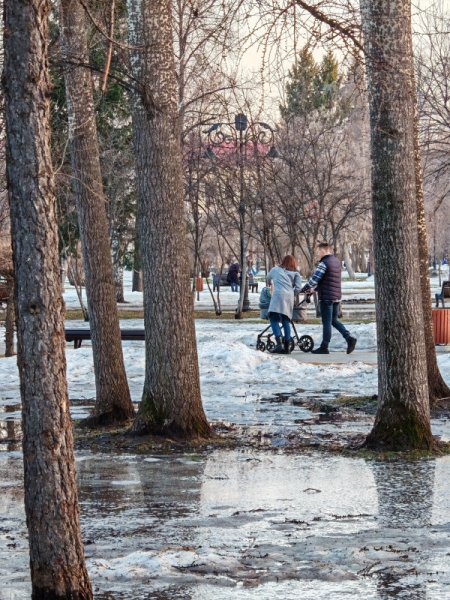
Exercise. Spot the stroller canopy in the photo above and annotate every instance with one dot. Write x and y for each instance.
(264, 298)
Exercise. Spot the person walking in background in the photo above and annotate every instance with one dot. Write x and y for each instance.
(233, 276)
(286, 283)
(327, 281)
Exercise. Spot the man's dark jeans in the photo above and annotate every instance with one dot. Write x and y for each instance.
(329, 311)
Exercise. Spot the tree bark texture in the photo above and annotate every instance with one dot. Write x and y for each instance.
(403, 419)
(10, 320)
(171, 398)
(113, 401)
(437, 388)
(56, 551)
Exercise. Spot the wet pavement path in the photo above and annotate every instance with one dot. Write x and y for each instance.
(364, 356)
(247, 525)
(369, 358)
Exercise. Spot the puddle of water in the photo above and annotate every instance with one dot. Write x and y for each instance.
(249, 524)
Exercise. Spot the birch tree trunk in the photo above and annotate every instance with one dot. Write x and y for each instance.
(113, 401)
(403, 419)
(56, 551)
(171, 399)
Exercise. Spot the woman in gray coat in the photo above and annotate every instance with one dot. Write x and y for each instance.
(286, 284)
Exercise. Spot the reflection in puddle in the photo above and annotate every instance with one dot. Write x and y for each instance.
(10, 434)
(9, 408)
(263, 524)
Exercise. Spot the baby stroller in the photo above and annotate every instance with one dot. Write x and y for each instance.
(265, 340)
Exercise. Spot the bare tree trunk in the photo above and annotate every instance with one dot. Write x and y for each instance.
(10, 320)
(118, 282)
(79, 292)
(57, 564)
(113, 401)
(437, 388)
(63, 271)
(403, 417)
(348, 261)
(137, 269)
(171, 398)
(76, 268)
(137, 281)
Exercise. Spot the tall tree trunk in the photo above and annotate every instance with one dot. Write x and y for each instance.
(348, 261)
(63, 270)
(171, 398)
(137, 269)
(57, 564)
(10, 320)
(118, 282)
(76, 268)
(403, 418)
(113, 401)
(437, 388)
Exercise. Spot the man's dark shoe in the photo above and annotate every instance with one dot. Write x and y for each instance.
(287, 347)
(279, 346)
(320, 350)
(351, 343)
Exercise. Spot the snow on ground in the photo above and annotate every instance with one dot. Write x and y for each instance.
(234, 375)
(230, 366)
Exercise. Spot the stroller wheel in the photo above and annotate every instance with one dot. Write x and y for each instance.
(270, 343)
(260, 345)
(306, 343)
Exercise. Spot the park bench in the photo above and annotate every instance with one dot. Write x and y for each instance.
(222, 278)
(252, 285)
(78, 335)
(445, 293)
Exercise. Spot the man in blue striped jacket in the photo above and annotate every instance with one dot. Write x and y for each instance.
(326, 279)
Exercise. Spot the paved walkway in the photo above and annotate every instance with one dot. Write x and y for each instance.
(368, 357)
(336, 357)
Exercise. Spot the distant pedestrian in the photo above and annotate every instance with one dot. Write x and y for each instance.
(327, 281)
(233, 276)
(286, 284)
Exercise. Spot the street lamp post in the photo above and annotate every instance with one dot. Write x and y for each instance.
(240, 135)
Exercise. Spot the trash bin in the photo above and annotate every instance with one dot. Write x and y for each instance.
(299, 314)
(199, 284)
(441, 326)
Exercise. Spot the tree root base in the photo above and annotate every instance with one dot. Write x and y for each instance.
(46, 594)
(194, 432)
(386, 445)
(114, 417)
(400, 428)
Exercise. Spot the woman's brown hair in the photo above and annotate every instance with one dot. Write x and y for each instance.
(289, 263)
